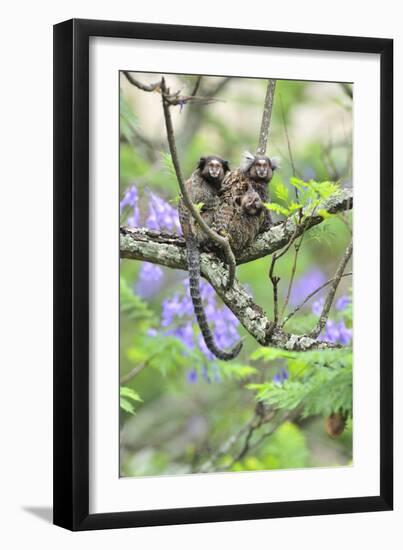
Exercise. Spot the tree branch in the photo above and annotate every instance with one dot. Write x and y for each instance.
(169, 250)
(266, 117)
(171, 99)
(332, 291)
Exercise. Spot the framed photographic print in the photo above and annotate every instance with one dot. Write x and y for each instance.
(223, 274)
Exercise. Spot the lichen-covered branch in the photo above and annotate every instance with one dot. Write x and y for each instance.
(170, 250)
(151, 246)
(266, 117)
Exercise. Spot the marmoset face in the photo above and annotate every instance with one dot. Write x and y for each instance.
(262, 168)
(213, 169)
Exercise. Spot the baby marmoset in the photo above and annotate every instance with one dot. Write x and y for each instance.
(241, 214)
(203, 187)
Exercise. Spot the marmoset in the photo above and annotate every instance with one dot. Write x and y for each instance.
(203, 187)
(241, 215)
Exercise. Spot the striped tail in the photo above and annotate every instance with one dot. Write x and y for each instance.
(193, 256)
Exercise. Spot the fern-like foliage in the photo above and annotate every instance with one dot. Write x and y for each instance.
(319, 383)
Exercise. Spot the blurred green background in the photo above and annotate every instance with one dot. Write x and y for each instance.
(179, 407)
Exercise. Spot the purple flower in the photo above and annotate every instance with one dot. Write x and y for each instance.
(280, 377)
(317, 306)
(345, 334)
(309, 173)
(343, 302)
(162, 215)
(178, 317)
(337, 333)
(150, 280)
(306, 284)
(185, 334)
(171, 307)
(191, 376)
(131, 199)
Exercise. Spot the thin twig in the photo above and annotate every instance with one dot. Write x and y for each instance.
(126, 378)
(347, 89)
(311, 295)
(257, 422)
(197, 84)
(274, 281)
(266, 117)
(145, 87)
(288, 142)
(223, 242)
(288, 416)
(171, 99)
(332, 291)
(224, 448)
(297, 247)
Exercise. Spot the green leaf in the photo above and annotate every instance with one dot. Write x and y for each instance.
(277, 208)
(132, 305)
(126, 406)
(281, 191)
(324, 213)
(298, 183)
(127, 397)
(125, 391)
(269, 354)
(236, 371)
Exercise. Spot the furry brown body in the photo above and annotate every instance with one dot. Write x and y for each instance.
(241, 215)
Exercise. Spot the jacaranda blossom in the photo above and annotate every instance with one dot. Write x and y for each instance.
(343, 302)
(306, 284)
(161, 215)
(131, 199)
(280, 377)
(337, 332)
(177, 319)
(149, 280)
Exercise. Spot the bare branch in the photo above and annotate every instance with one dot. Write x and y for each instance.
(347, 89)
(274, 281)
(288, 143)
(265, 126)
(186, 199)
(197, 84)
(171, 99)
(332, 291)
(145, 87)
(248, 430)
(208, 466)
(125, 379)
(311, 295)
(297, 247)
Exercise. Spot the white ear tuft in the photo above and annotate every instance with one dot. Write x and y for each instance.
(247, 159)
(275, 163)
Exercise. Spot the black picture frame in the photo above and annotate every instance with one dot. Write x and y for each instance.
(71, 274)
